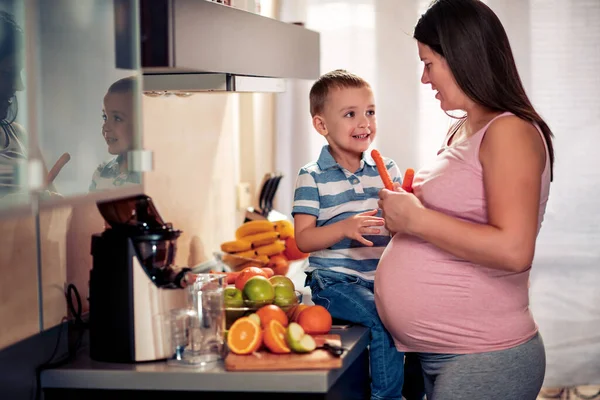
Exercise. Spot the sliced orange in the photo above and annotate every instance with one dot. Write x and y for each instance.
(244, 336)
(275, 337)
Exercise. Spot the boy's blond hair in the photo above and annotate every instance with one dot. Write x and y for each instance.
(338, 79)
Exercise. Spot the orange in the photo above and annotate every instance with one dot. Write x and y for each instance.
(270, 313)
(244, 336)
(275, 337)
(246, 274)
(293, 312)
(279, 264)
(292, 252)
(315, 320)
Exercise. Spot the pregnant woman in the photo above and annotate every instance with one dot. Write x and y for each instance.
(452, 285)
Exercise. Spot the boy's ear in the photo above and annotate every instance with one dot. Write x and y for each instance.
(319, 124)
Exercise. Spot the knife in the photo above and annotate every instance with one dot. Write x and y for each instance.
(333, 349)
(264, 190)
(329, 345)
(271, 195)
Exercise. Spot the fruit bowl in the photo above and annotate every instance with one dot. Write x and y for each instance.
(233, 313)
(236, 263)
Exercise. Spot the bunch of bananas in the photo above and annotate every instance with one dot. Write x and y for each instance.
(261, 240)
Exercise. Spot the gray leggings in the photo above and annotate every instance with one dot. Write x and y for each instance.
(513, 374)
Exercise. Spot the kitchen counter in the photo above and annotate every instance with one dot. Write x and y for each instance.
(84, 378)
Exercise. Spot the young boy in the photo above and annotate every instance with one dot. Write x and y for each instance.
(336, 218)
(118, 129)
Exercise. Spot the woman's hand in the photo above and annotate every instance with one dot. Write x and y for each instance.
(361, 224)
(399, 209)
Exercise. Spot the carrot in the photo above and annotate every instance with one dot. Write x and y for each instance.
(383, 172)
(408, 180)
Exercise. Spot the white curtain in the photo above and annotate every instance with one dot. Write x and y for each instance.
(554, 42)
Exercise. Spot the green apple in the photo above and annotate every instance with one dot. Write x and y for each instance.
(299, 341)
(233, 297)
(284, 296)
(280, 280)
(258, 291)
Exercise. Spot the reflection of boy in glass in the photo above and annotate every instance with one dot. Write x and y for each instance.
(12, 146)
(117, 130)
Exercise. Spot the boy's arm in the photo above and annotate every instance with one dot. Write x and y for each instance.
(309, 238)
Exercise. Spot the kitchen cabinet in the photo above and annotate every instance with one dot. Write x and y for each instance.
(75, 63)
(61, 61)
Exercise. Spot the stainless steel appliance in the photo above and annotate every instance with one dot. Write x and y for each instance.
(133, 283)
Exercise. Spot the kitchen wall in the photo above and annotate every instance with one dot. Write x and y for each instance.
(18, 286)
(196, 168)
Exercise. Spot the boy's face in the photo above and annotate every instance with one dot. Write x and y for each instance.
(348, 120)
(118, 122)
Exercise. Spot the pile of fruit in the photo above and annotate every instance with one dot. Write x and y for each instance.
(264, 312)
(277, 331)
(265, 244)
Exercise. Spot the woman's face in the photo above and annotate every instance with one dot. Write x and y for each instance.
(10, 83)
(437, 73)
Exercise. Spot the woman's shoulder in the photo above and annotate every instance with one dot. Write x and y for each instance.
(16, 130)
(514, 135)
(19, 129)
(509, 127)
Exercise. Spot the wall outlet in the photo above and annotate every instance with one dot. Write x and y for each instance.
(244, 198)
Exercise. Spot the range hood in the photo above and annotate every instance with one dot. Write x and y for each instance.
(192, 46)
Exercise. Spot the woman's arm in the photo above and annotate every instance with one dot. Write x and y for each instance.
(512, 155)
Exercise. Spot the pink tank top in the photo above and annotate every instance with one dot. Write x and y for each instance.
(431, 301)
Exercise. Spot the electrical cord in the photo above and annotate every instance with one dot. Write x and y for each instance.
(78, 324)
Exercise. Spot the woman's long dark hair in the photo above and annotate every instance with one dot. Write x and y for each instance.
(474, 43)
(11, 40)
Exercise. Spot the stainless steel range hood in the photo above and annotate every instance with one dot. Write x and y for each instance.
(202, 46)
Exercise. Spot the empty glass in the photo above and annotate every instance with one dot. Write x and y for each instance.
(197, 332)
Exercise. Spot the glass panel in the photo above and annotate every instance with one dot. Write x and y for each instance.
(88, 109)
(13, 106)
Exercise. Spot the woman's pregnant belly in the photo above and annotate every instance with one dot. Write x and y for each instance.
(430, 301)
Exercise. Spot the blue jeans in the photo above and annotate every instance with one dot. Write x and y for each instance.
(351, 298)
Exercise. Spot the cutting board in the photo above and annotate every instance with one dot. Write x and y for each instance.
(265, 361)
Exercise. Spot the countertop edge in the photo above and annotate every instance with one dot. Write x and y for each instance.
(84, 373)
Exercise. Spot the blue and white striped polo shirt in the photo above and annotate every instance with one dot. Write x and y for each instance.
(331, 193)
